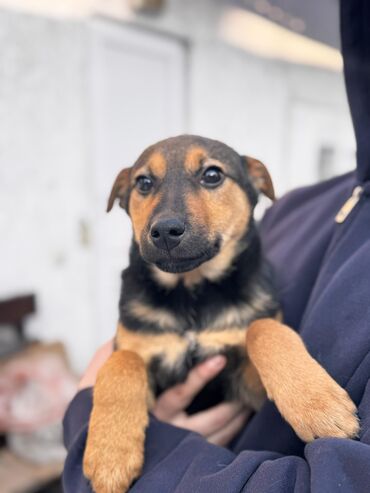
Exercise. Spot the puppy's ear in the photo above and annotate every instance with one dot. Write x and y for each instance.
(260, 177)
(120, 189)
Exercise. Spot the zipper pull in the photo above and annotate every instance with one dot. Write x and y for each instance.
(347, 207)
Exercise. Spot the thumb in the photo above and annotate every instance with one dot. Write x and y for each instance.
(177, 398)
(100, 357)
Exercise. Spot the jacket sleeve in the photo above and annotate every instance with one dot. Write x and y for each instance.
(178, 461)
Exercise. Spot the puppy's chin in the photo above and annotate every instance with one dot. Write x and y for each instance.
(178, 266)
(176, 263)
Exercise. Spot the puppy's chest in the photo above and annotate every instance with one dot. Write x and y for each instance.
(169, 356)
(174, 332)
(174, 344)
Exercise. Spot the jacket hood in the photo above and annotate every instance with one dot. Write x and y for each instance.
(355, 35)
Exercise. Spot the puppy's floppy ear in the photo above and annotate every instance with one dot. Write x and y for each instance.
(120, 189)
(260, 177)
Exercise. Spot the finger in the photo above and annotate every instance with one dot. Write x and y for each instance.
(100, 357)
(177, 398)
(210, 421)
(224, 436)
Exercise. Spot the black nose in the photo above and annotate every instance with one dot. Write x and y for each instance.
(167, 233)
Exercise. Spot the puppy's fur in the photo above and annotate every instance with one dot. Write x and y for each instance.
(198, 285)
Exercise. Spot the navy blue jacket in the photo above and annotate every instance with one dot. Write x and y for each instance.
(323, 269)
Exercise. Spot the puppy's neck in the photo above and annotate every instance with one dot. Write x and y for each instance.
(242, 293)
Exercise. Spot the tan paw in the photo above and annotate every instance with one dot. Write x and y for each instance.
(322, 411)
(112, 470)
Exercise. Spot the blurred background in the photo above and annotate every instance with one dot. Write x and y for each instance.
(85, 86)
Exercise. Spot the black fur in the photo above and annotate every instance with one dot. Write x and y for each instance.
(247, 282)
(195, 310)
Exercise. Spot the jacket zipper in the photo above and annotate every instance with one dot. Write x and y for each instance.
(349, 205)
(338, 234)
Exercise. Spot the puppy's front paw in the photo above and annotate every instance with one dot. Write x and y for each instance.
(112, 468)
(322, 409)
(114, 451)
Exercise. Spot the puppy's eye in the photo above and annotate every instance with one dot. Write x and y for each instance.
(144, 184)
(212, 177)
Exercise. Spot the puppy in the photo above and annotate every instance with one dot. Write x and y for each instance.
(198, 285)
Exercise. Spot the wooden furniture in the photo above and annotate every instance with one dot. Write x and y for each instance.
(13, 314)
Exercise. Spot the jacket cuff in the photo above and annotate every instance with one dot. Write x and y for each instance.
(161, 438)
(77, 415)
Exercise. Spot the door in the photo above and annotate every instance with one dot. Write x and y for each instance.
(138, 97)
(321, 143)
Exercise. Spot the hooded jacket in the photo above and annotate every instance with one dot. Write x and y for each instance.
(323, 270)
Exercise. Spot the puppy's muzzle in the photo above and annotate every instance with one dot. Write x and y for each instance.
(167, 233)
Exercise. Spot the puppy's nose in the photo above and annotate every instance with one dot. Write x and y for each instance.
(167, 233)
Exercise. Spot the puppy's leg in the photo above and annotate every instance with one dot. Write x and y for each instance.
(254, 394)
(305, 394)
(114, 451)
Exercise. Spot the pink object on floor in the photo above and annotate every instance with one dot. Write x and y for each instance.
(35, 389)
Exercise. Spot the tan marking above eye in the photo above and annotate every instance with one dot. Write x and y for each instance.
(193, 159)
(155, 166)
(197, 159)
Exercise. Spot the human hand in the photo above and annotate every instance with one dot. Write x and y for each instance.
(218, 424)
(100, 357)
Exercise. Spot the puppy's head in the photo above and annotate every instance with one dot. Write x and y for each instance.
(190, 200)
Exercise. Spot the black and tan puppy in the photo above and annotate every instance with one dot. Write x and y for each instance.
(196, 281)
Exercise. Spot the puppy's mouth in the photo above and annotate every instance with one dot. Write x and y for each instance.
(176, 264)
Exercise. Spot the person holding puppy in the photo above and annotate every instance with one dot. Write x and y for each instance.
(321, 265)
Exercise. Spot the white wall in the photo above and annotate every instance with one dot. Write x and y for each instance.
(139, 97)
(44, 188)
(249, 102)
(46, 219)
